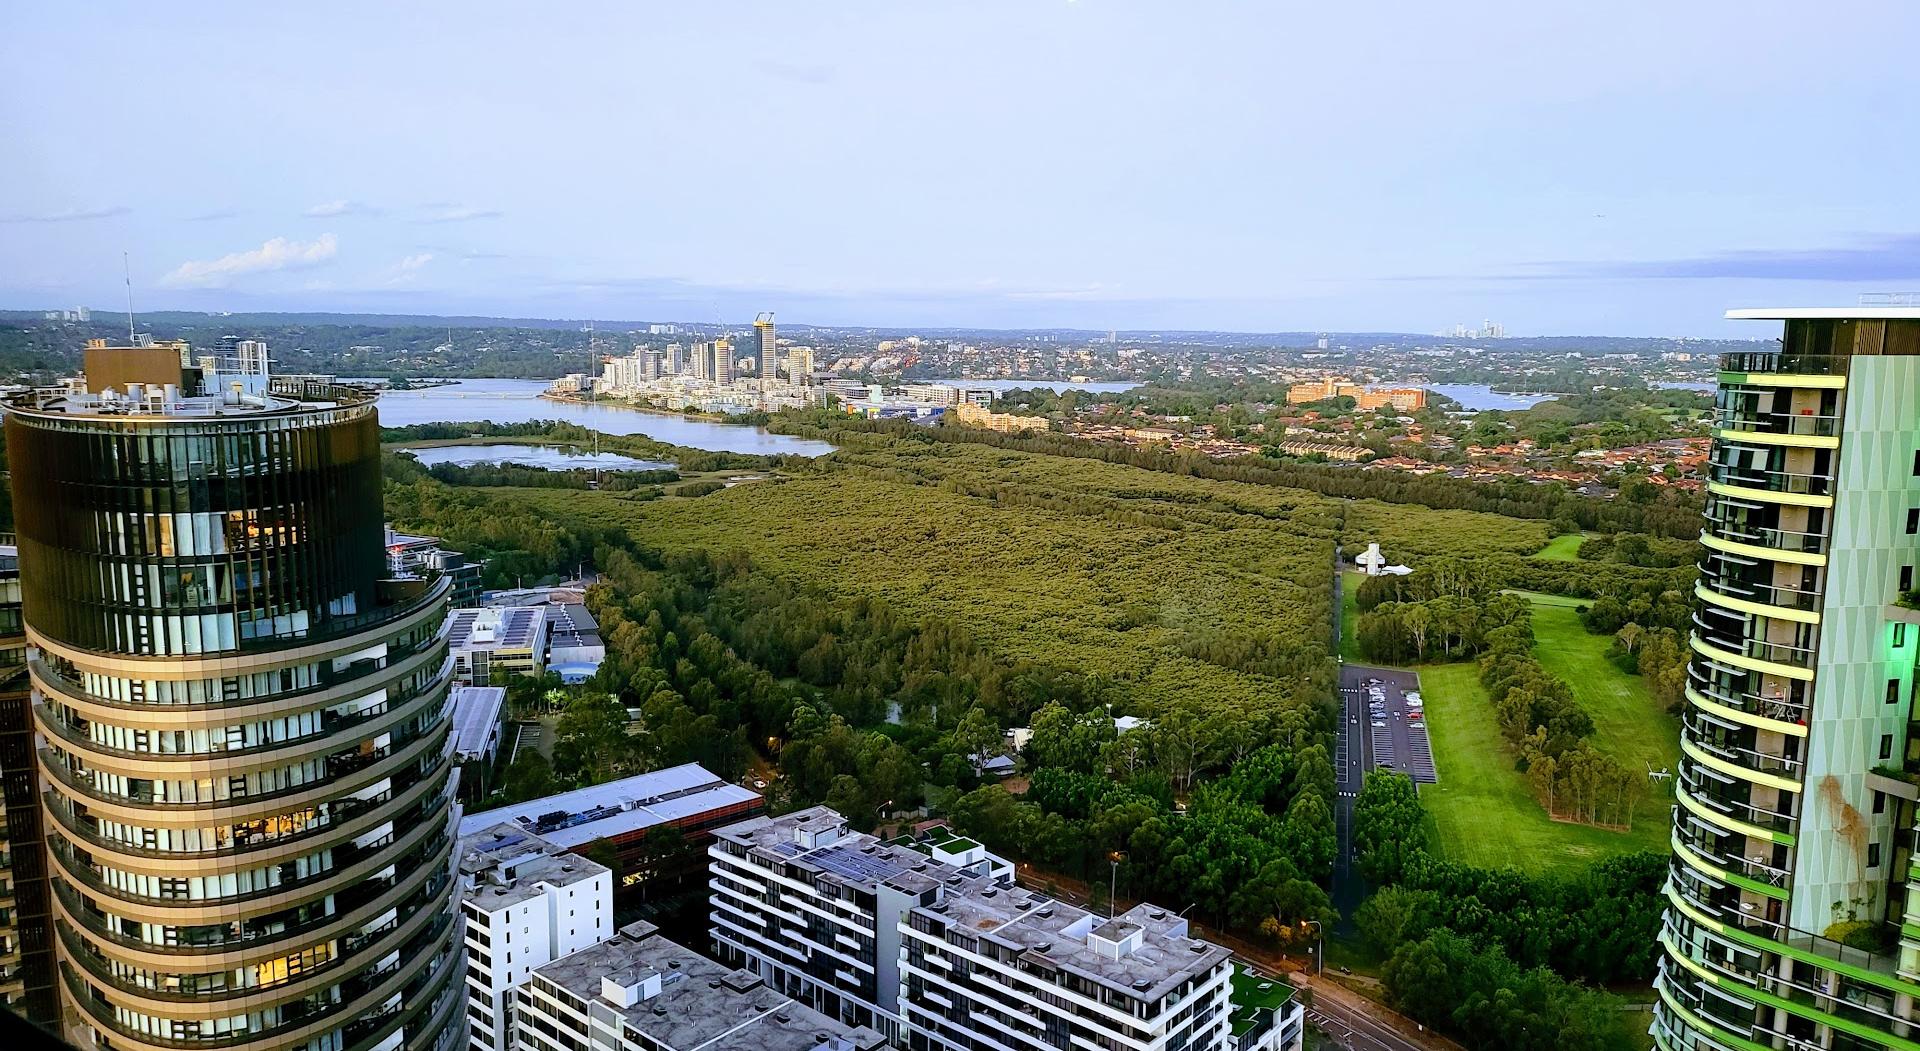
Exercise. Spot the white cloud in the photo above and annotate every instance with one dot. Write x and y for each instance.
(414, 262)
(70, 215)
(457, 213)
(335, 209)
(277, 254)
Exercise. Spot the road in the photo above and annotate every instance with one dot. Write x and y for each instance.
(1354, 1029)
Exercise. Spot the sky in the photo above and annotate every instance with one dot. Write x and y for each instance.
(1627, 168)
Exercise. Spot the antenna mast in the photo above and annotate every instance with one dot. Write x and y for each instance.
(126, 267)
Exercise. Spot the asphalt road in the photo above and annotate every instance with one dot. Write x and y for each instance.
(1356, 1031)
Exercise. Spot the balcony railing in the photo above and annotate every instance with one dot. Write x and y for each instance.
(1703, 737)
(1769, 480)
(1720, 583)
(1794, 423)
(1766, 536)
(1778, 708)
(1733, 809)
(1774, 652)
(1780, 362)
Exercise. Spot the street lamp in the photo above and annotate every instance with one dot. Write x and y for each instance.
(1114, 858)
(1319, 949)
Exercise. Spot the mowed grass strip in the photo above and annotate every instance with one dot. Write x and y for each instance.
(1482, 811)
(1628, 723)
(1562, 548)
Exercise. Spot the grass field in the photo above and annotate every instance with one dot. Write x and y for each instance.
(1562, 548)
(1481, 809)
(1350, 615)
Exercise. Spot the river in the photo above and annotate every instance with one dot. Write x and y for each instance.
(1479, 396)
(519, 401)
(552, 457)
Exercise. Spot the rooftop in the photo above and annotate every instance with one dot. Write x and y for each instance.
(576, 818)
(514, 627)
(476, 711)
(1144, 952)
(817, 840)
(1867, 313)
(506, 866)
(677, 998)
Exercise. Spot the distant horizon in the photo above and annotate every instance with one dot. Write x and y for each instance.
(107, 316)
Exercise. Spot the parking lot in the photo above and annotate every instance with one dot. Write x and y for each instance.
(1387, 717)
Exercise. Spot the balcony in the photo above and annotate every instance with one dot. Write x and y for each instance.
(1708, 739)
(1781, 363)
(1776, 709)
(1769, 480)
(1786, 424)
(1700, 798)
(1797, 600)
(1799, 659)
(1791, 541)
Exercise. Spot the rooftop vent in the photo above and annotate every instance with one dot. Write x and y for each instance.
(1143, 984)
(1197, 948)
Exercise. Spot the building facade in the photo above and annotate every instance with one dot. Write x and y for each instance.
(26, 931)
(1791, 919)
(485, 640)
(946, 957)
(249, 782)
(524, 903)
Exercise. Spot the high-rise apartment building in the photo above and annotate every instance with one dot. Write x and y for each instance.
(26, 931)
(247, 764)
(525, 903)
(1794, 910)
(766, 348)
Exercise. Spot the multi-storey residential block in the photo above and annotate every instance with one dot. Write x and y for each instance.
(248, 764)
(642, 992)
(525, 903)
(939, 956)
(1792, 921)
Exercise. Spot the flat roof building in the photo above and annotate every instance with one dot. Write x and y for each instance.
(940, 957)
(525, 903)
(641, 992)
(574, 648)
(478, 714)
(484, 640)
(688, 797)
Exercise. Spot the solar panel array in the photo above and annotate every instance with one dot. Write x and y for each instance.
(852, 863)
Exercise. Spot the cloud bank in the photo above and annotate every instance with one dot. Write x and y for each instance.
(276, 254)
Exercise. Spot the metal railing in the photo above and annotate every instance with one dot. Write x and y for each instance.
(1782, 362)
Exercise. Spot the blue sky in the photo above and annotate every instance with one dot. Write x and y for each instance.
(1630, 168)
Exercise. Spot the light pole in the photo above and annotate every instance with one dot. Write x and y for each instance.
(1113, 878)
(1319, 949)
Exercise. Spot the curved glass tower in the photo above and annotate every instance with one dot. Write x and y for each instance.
(246, 760)
(1790, 923)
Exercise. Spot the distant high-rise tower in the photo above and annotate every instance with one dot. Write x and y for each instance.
(1792, 898)
(248, 777)
(766, 349)
(800, 366)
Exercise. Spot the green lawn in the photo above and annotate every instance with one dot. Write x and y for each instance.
(1482, 811)
(1562, 548)
(1350, 616)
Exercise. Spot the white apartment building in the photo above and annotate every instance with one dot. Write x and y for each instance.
(641, 992)
(524, 904)
(945, 958)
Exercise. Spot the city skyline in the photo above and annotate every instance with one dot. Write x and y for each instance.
(1096, 165)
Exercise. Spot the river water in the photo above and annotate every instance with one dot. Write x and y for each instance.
(518, 401)
(552, 457)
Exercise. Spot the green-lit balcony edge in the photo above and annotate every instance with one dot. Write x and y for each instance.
(1741, 660)
(1701, 1025)
(1798, 441)
(1758, 609)
(1783, 379)
(1731, 824)
(1754, 941)
(1775, 554)
(1694, 859)
(1707, 704)
(1792, 1007)
(1733, 769)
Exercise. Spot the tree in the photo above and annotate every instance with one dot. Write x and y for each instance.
(529, 776)
(1390, 917)
(1389, 826)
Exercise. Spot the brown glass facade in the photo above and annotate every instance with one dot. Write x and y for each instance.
(246, 770)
